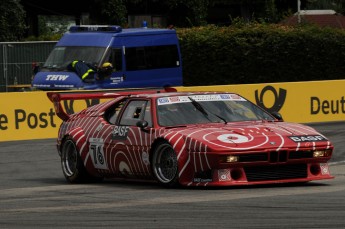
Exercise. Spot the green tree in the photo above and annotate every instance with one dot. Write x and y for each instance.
(12, 20)
(111, 12)
(182, 13)
(195, 13)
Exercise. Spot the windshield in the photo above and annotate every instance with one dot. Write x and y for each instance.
(194, 109)
(60, 57)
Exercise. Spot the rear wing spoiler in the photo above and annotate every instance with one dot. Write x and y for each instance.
(57, 97)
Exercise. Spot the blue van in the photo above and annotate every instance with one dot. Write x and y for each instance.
(141, 57)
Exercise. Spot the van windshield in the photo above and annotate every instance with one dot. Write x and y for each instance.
(61, 56)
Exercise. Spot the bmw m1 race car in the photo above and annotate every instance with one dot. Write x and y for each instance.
(188, 139)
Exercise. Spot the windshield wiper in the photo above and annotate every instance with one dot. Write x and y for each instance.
(200, 108)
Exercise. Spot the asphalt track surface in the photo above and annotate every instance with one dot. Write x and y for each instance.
(34, 194)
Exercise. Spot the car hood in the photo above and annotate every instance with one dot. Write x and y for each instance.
(251, 136)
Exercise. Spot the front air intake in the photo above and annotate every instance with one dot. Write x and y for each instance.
(276, 172)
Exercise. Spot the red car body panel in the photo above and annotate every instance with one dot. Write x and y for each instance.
(268, 152)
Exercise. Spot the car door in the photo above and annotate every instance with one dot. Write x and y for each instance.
(131, 143)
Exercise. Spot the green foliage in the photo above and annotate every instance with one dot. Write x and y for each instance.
(183, 13)
(116, 12)
(259, 53)
(46, 37)
(12, 23)
(54, 25)
(111, 12)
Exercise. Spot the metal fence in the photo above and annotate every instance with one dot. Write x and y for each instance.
(17, 60)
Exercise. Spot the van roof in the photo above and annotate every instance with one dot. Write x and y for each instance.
(103, 38)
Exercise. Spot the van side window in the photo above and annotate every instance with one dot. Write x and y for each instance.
(152, 57)
(116, 58)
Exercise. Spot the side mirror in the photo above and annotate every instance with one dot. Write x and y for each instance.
(142, 124)
(277, 115)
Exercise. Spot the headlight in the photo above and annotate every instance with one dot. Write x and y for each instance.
(319, 153)
(322, 153)
(229, 159)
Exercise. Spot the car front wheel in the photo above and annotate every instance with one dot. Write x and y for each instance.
(165, 165)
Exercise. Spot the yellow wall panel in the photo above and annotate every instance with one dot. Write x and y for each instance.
(31, 115)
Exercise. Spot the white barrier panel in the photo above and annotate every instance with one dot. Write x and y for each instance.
(30, 115)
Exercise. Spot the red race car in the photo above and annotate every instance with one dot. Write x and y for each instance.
(189, 139)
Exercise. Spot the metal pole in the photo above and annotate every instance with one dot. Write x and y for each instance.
(4, 57)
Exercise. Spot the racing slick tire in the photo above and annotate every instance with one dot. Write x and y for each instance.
(72, 165)
(165, 165)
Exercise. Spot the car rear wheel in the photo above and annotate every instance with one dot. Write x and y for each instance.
(165, 165)
(72, 165)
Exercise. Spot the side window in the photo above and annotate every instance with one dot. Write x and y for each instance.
(152, 57)
(116, 58)
(135, 111)
(112, 114)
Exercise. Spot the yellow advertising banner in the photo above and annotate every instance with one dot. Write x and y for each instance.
(31, 115)
(27, 115)
(303, 102)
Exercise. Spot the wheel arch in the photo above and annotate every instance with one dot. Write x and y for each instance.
(176, 146)
(77, 135)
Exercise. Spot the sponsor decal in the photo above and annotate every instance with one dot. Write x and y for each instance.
(224, 175)
(201, 180)
(324, 169)
(236, 97)
(145, 158)
(174, 99)
(120, 132)
(64, 86)
(163, 101)
(41, 85)
(232, 138)
(56, 77)
(225, 97)
(97, 154)
(116, 80)
(124, 169)
(308, 138)
(199, 98)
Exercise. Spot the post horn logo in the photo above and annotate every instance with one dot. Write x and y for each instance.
(279, 99)
(69, 107)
